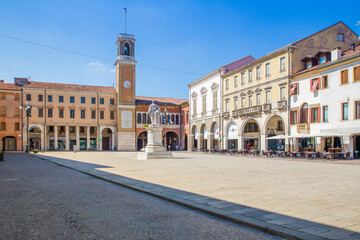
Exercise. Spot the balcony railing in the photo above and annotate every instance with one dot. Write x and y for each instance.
(226, 114)
(267, 107)
(247, 111)
(303, 128)
(282, 104)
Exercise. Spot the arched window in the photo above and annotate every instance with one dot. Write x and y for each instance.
(139, 118)
(304, 113)
(126, 49)
(172, 118)
(144, 118)
(177, 119)
(148, 119)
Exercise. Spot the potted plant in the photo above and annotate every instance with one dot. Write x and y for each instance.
(35, 151)
(2, 153)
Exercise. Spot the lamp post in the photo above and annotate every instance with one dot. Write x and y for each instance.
(166, 117)
(28, 114)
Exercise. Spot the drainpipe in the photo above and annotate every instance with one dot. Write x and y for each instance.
(21, 118)
(44, 121)
(290, 51)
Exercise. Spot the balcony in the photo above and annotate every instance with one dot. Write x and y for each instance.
(282, 104)
(303, 128)
(267, 107)
(226, 115)
(126, 58)
(248, 111)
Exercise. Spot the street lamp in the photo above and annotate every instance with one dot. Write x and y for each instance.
(166, 117)
(28, 114)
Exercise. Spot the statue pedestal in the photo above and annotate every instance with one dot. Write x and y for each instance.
(154, 148)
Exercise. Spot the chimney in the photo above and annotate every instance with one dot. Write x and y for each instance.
(335, 54)
(2, 81)
(353, 46)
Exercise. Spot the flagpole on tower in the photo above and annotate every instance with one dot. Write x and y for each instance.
(125, 18)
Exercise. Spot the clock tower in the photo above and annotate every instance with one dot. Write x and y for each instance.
(125, 88)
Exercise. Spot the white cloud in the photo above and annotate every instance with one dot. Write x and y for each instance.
(113, 70)
(97, 66)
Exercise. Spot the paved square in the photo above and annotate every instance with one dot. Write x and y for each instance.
(316, 191)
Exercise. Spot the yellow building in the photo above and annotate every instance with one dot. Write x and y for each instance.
(255, 96)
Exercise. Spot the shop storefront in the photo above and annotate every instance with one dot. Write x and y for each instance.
(232, 141)
(216, 137)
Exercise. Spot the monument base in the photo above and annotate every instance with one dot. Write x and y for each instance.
(154, 149)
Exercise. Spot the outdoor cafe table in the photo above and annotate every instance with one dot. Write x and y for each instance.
(334, 149)
(254, 152)
(329, 155)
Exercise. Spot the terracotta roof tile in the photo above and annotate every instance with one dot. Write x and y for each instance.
(8, 86)
(160, 100)
(232, 66)
(69, 87)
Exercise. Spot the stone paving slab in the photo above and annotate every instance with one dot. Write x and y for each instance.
(303, 195)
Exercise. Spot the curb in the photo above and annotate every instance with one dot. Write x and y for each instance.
(262, 226)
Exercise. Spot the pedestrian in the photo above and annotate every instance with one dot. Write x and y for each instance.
(169, 147)
(177, 147)
(248, 146)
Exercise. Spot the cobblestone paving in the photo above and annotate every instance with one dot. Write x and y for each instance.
(303, 198)
(41, 200)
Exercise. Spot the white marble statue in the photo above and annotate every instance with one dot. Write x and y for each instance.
(155, 114)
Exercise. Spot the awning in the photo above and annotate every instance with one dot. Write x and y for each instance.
(277, 137)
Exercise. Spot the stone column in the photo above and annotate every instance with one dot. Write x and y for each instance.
(42, 139)
(112, 140)
(67, 138)
(263, 145)
(77, 138)
(100, 143)
(97, 139)
(55, 137)
(88, 138)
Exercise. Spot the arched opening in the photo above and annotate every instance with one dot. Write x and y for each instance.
(204, 137)
(275, 126)
(171, 140)
(195, 138)
(141, 140)
(215, 144)
(304, 113)
(127, 49)
(144, 118)
(185, 142)
(9, 143)
(232, 136)
(34, 138)
(106, 139)
(251, 135)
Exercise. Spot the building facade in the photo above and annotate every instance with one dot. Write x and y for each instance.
(255, 96)
(325, 102)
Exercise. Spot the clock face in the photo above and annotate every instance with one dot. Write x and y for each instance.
(127, 84)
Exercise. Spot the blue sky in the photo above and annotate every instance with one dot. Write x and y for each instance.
(187, 36)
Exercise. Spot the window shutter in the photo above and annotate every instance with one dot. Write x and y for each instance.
(319, 118)
(291, 117)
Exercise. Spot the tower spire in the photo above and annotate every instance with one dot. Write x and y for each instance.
(125, 18)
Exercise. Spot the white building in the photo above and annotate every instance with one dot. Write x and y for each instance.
(325, 102)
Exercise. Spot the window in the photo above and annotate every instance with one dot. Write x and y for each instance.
(51, 128)
(344, 77)
(72, 129)
(49, 98)
(28, 97)
(250, 76)
(93, 100)
(345, 111)
(112, 115)
(356, 74)
(268, 97)
(258, 73)
(236, 81)
(280, 126)
(325, 114)
(293, 117)
(242, 78)
(294, 88)
(40, 112)
(315, 84)
(72, 99)
(242, 102)
(61, 113)
(324, 82)
(101, 100)
(112, 101)
(227, 84)
(101, 114)
(3, 126)
(3, 111)
(282, 64)
(251, 127)
(82, 100)
(315, 114)
(177, 119)
(72, 113)
(340, 37)
(92, 130)
(204, 104)
(357, 110)
(322, 59)
(17, 96)
(304, 113)
(50, 113)
(236, 104)
(308, 64)
(93, 114)
(82, 113)
(82, 129)
(267, 69)
(227, 106)
(194, 106)
(250, 101)
(258, 99)
(214, 100)
(40, 97)
(61, 98)
(139, 118)
(17, 126)
(17, 112)
(282, 93)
